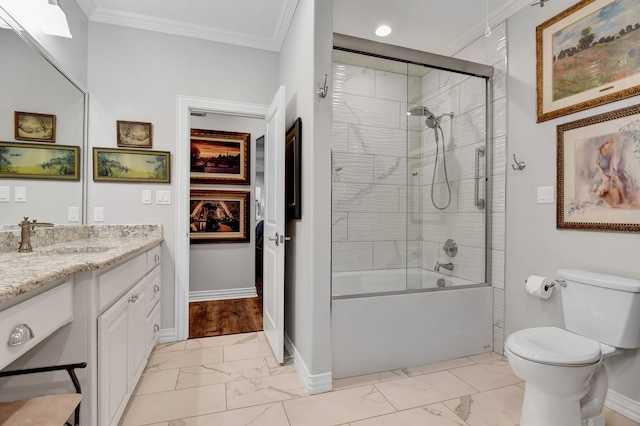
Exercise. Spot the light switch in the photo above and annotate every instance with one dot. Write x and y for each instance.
(74, 214)
(20, 194)
(545, 194)
(4, 194)
(146, 196)
(98, 214)
(163, 197)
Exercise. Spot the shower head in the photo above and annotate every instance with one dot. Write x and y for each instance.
(430, 120)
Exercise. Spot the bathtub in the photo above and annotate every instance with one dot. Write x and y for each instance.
(344, 284)
(377, 326)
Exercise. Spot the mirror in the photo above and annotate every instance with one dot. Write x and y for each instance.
(30, 83)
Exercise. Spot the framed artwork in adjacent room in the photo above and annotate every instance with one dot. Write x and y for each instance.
(33, 126)
(219, 157)
(219, 216)
(599, 172)
(587, 55)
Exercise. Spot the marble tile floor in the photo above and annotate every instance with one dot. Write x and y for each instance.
(235, 380)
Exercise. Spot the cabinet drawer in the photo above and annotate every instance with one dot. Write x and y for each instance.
(154, 289)
(42, 314)
(153, 329)
(154, 256)
(117, 281)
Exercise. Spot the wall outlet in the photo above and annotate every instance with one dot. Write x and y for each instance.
(98, 214)
(74, 214)
(20, 194)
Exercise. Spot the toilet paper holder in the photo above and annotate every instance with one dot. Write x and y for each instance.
(561, 283)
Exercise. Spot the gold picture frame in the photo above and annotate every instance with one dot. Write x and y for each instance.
(598, 172)
(586, 56)
(125, 165)
(36, 161)
(219, 216)
(219, 157)
(34, 126)
(134, 134)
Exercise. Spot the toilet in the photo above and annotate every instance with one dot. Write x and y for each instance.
(565, 379)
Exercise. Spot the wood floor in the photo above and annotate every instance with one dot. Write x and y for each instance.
(219, 317)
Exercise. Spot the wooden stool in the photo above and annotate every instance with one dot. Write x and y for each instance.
(51, 410)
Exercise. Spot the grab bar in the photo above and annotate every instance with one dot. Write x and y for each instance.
(479, 202)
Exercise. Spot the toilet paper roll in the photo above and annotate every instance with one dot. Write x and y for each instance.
(539, 286)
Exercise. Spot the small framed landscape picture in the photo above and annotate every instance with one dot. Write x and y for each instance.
(134, 134)
(126, 165)
(33, 126)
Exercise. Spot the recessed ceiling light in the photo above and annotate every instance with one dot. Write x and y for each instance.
(383, 31)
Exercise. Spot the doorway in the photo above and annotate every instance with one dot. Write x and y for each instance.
(225, 174)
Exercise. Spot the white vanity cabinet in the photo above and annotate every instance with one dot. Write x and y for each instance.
(128, 329)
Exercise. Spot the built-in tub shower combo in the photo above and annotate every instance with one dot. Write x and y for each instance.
(409, 221)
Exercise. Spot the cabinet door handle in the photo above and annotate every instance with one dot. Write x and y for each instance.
(156, 258)
(156, 288)
(20, 335)
(134, 298)
(156, 328)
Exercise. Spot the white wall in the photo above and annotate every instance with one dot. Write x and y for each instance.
(533, 244)
(304, 60)
(225, 266)
(136, 75)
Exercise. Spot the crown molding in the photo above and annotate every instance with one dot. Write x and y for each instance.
(168, 26)
(88, 7)
(496, 17)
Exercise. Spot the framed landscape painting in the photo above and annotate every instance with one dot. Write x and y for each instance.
(219, 157)
(134, 134)
(219, 216)
(123, 165)
(588, 55)
(32, 161)
(33, 126)
(599, 172)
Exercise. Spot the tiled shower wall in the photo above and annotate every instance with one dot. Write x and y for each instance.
(493, 51)
(369, 162)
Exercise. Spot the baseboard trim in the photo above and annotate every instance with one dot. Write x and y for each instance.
(167, 335)
(224, 294)
(623, 405)
(313, 383)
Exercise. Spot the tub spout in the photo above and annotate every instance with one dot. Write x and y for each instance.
(448, 266)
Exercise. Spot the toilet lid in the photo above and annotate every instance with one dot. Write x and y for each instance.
(552, 345)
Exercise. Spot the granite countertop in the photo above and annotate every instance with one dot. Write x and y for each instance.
(21, 273)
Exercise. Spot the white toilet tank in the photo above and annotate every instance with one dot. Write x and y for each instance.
(605, 308)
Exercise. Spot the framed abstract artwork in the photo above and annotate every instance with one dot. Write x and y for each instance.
(598, 172)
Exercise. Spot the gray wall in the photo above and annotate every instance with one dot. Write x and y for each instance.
(304, 60)
(533, 244)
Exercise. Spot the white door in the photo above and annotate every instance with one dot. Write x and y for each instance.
(274, 226)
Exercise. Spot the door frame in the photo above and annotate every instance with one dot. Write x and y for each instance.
(185, 106)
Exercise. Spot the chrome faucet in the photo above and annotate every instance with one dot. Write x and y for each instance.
(25, 233)
(448, 266)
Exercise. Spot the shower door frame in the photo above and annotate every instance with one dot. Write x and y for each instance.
(432, 60)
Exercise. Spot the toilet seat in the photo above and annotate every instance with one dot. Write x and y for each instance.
(555, 346)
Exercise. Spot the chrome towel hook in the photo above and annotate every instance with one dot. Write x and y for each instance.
(519, 165)
(322, 91)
